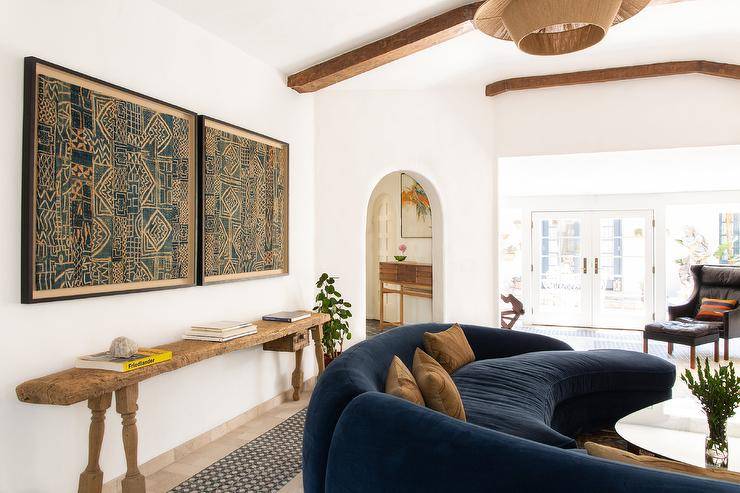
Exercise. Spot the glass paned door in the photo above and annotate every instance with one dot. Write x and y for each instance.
(560, 251)
(592, 268)
(623, 269)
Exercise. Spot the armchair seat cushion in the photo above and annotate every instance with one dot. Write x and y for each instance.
(520, 395)
(679, 328)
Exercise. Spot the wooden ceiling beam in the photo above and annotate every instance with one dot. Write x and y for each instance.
(411, 40)
(416, 38)
(726, 70)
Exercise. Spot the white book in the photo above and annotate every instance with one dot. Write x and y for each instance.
(213, 339)
(221, 325)
(251, 329)
(293, 316)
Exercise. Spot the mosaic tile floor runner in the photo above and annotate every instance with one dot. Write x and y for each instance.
(265, 464)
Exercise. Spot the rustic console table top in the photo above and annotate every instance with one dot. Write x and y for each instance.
(76, 385)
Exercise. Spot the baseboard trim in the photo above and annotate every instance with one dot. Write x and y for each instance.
(165, 459)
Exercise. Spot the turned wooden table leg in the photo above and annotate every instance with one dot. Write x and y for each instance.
(91, 479)
(716, 351)
(126, 406)
(400, 307)
(317, 333)
(298, 375)
(727, 348)
(380, 309)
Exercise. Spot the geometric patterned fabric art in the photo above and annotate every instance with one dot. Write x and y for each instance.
(245, 180)
(113, 194)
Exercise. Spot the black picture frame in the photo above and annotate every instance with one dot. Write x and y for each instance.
(32, 67)
(203, 278)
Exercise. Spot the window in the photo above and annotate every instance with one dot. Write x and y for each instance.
(729, 238)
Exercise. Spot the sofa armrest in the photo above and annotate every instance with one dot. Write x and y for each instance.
(732, 323)
(490, 343)
(383, 443)
(678, 311)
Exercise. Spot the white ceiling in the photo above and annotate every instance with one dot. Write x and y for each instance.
(294, 34)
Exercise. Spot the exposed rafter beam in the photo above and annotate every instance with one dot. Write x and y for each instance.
(411, 40)
(727, 70)
(416, 38)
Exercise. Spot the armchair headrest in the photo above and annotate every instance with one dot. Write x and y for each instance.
(720, 275)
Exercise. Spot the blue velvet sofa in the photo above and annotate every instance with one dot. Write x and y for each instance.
(526, 396)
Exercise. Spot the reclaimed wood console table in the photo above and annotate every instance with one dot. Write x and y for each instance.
(98, 386)
(412, 279)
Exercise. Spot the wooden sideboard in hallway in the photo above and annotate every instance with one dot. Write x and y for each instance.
(412, 278)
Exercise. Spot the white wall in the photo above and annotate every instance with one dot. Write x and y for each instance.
(142, 46)
(659, 113)
(415, 310)
(682, 169)
(442, 136)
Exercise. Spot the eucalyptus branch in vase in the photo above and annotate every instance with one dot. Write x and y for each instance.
(718, 392)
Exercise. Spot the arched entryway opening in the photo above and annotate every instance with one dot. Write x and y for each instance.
(403, 220)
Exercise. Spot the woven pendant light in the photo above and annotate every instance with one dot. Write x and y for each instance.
(553, 27)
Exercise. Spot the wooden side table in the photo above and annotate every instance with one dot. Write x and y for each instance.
(412, 278)
(98, 386)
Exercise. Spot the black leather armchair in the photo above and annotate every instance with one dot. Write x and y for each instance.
(713, 281)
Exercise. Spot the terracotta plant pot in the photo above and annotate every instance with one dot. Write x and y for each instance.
(328, 359)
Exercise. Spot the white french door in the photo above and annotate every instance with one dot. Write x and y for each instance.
(592, 268)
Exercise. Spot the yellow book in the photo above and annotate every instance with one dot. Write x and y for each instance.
(104, 361)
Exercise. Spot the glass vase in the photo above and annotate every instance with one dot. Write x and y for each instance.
(716, 449)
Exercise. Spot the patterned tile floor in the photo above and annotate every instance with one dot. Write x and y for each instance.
(372, 328)
(264, 454)
(265, 464)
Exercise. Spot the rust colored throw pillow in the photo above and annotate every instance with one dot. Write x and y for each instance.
(604, 452)
(713, 310)
(449, 347)
(439, 391)
(401, 383)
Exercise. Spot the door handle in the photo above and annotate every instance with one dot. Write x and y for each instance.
(596, 265)
(585, 265)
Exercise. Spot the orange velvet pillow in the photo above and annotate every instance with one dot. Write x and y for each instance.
(439, 391)
(450, 347)
(401, 383)
(713, 310)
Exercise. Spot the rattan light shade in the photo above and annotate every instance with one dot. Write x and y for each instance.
(553, 27)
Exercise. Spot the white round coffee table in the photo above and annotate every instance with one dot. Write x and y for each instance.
(676, 429)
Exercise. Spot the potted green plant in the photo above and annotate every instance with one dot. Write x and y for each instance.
(719, 394)
(336, 330)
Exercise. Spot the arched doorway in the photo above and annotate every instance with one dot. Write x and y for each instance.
(403, 210)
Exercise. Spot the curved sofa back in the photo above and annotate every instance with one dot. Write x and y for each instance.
(363, 368)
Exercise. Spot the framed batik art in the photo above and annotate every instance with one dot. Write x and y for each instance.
(243, 203)
(109, 189)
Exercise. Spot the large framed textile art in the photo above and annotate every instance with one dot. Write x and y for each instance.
(109, 193)
(243, 203)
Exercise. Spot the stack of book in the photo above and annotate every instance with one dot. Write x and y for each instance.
(221, 331)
